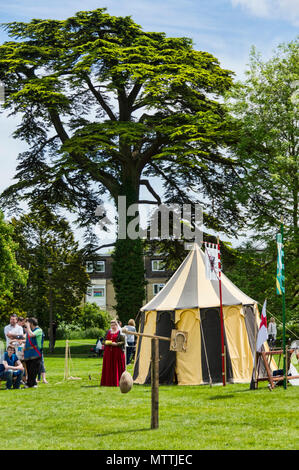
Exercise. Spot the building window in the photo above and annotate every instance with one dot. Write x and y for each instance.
(99, 292)
(157, 288)
(89, 266)
(100, 266)
(89, 291)
(158, 265)
(97, 266)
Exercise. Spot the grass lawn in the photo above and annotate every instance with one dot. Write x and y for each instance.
(81, 415)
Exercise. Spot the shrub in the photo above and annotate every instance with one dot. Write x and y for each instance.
(292, 332)
(75, 331)
(67, 330)
(91, 316)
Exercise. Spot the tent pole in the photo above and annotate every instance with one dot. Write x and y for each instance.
(221, 317)
(283, 315)
(155, 383)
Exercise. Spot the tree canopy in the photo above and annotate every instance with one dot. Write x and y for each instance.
(266, 106)
(105, 106)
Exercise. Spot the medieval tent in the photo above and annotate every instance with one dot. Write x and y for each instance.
(189, 302)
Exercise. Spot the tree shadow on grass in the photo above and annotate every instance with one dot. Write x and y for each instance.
(222, 397)
(230, 395)
(123, 431)
(81, 350)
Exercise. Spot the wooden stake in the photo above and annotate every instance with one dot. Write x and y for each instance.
(155, 383)
(66, 360)
(221, 319)
(268, 370)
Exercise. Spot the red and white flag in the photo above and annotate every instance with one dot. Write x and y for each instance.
(263, 331)
(212, 261)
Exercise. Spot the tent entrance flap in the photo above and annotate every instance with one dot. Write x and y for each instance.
(167, 358)
(211, 330)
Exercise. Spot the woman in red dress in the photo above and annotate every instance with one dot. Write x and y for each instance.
(114, 362)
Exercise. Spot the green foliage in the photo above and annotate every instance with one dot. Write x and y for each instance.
(92, 316)
(75, 331)
(11, 273)
(292, 332)
(105, 105)
(254, 272)
(155, 105)
(267, 111)
(46, 242)
(128, 278)
(266, 108)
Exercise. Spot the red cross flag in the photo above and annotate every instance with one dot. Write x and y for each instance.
(212, 261)
(263, 332)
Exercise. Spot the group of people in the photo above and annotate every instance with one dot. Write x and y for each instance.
(118, 351)
(23, 360)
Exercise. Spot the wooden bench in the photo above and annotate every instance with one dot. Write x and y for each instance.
(270, 378)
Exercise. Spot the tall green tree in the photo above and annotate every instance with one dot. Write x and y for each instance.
(266, 105)
(11, 273)
(57, 279)
(106, 106)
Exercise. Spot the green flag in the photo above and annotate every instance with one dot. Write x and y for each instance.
(280, 289)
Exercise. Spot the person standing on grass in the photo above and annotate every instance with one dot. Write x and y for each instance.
(42, 372)
(114, 362)
(33, 350)
(130, 339)
(272, 333)
(13, 329)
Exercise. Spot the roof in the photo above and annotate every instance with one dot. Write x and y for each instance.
(189, 288)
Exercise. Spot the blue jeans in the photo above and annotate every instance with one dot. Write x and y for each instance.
(41, 369)
(130, 351)
(9, 375)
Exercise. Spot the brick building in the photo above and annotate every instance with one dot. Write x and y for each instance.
(101, 290)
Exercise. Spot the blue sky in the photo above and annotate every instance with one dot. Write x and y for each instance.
(225, 28)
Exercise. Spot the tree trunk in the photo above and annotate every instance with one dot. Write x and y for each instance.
(128, 259)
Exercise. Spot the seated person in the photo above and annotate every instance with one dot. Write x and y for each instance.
(11, 368)
(98, 349)
(293, 360)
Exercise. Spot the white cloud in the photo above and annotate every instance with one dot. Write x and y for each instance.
(287, 10)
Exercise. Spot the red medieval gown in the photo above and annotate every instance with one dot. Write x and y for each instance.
(114, 362)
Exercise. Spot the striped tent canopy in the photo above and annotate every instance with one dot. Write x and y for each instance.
(189, 288)
(189, 302)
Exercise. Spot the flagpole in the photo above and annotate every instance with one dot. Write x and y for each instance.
(221, 316)
(283, 313)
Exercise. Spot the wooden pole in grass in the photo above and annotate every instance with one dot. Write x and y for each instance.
(221, 316)
(280, 290)
(154, 373)
(155, 383)
(155, 369)
(66, 360)
(285, 372)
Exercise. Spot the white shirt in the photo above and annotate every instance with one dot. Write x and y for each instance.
(130, 338)
(272, 329)
(14, 330)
